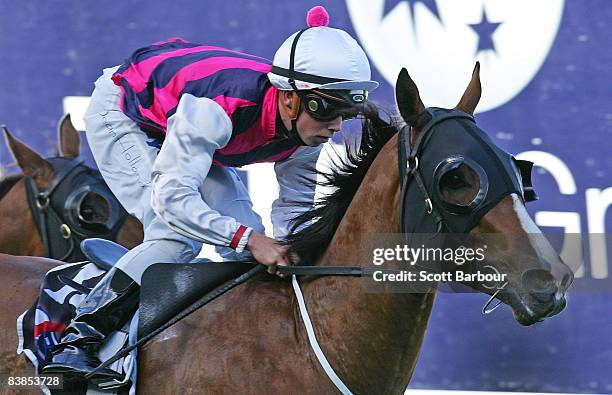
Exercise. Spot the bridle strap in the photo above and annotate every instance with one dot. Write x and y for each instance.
(408, 158)
(38, 213)
(61, 175)
(42, 209)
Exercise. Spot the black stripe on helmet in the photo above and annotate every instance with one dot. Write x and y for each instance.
(315, 79)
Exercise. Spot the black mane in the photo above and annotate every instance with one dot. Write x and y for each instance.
(309, 242)
(9, 182)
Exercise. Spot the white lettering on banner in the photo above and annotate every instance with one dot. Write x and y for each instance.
(560, 172)
(597, 203)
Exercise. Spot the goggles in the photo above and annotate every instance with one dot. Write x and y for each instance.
(326, 107)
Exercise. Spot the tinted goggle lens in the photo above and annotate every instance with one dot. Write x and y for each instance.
(323, 109)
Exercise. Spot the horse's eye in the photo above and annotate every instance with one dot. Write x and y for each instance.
(94, 209)
(87, 213)
(461, 184)
(458, 185)
(453, 180)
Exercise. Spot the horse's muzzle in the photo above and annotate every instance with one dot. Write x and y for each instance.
(541, 295)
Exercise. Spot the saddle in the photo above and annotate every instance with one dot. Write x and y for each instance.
(167, 288)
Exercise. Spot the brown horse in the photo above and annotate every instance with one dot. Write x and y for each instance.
(253, 341)
(19, 234)
(24, 276)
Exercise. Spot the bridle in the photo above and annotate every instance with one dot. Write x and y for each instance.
(422, 177)
(57, 211)
(449, 139)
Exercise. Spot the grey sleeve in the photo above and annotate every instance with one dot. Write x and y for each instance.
(198, 128)
(296, 194)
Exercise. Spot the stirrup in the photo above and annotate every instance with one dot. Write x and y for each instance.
(111, 384)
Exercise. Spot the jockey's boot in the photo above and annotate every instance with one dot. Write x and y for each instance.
(108, 306)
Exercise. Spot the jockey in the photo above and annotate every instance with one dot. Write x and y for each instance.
(167, 128)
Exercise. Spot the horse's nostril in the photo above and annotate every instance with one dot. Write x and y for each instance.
(539, 282)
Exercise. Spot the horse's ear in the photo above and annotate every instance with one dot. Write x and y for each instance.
(69, 139)
(31, 164)
(471, 96)
(407, 97)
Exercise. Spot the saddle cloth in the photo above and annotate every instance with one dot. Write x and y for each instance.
(166, 290)
(40, 327)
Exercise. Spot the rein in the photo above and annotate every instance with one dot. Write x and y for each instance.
(353, 271)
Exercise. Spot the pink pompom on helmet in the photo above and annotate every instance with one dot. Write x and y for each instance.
(317, 17)
(321, 57)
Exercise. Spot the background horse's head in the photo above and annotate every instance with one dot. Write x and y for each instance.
(459, 181)
(56, 202)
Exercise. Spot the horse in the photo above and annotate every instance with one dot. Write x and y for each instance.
(79, 204)
(252, 340)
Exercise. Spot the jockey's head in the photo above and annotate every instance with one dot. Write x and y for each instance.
(323, 77)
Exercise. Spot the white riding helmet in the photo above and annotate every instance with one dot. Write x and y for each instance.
(323, 58)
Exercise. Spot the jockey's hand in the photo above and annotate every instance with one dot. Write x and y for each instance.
(268, 251)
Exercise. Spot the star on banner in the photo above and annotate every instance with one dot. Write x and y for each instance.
(485, 30)
(431, 5)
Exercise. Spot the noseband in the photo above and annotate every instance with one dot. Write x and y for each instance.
(58, 214)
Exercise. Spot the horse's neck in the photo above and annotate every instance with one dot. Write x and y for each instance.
(372, 340)
(374, 209)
